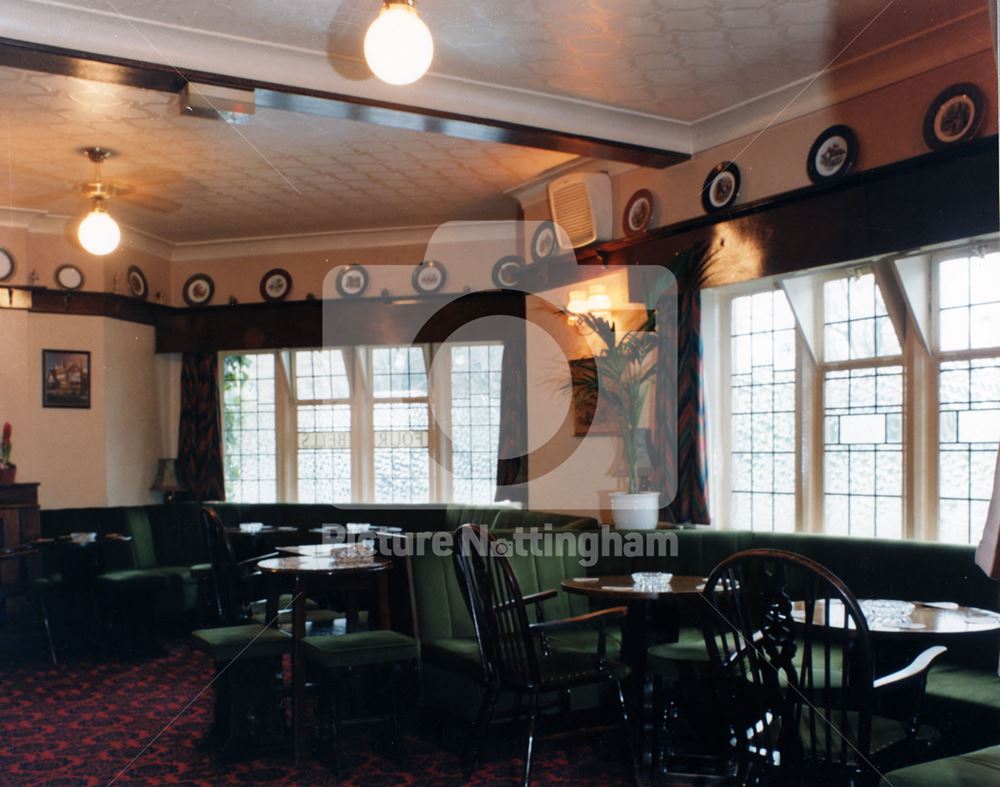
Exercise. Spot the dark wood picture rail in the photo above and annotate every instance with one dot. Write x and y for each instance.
(943, 196)
(934, 198)
(155, 76)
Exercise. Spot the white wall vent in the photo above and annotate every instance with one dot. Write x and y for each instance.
(581, 206)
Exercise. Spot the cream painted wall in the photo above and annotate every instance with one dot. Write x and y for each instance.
(43, 252)
(888, 123)
(133, 403)
(102, 456)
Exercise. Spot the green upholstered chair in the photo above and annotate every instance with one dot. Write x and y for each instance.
(975, 769)
(337, 661)
(147, 590)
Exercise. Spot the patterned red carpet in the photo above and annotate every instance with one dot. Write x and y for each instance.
(82, 723)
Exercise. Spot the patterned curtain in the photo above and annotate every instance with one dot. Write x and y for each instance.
(682, 453)
(199, 445)
(512, 461)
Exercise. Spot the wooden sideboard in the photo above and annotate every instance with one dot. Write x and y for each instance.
(19, 523)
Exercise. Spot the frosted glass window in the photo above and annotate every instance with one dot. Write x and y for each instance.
(400, 420)
(249, 443)
(763, 412)
(863, 452)
(475, 421)
(323, 450)
(969, 432)
(856, 323)
(969, 303)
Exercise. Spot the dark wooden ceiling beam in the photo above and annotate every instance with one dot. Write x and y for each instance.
(155, 76)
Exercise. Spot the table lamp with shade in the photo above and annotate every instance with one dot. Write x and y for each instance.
(167, 481)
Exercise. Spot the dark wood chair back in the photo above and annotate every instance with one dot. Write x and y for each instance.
(494, 599)
(796, 678)
(225, 567)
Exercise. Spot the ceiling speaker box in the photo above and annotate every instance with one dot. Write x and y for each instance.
(581, 208)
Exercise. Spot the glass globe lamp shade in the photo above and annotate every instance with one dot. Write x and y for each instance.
(398, 45)
(98, 232)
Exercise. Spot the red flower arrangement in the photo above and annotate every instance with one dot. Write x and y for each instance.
(7, 470)
(5, 444)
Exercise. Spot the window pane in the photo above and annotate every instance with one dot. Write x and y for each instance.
(402, 471)
(321, 374)
(475, 421)
(969, 397)
(399, 372)
(323, 443)
(856, 323)
(324, 453)
(248, 428)
(969, 302)
(863, 461)
(763, 407)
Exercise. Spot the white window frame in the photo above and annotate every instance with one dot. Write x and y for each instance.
(936, 357)
(921, 405)
(358, 361)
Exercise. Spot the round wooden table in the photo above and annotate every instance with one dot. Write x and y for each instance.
(313, 550)
(894, 618)
(635, 642)
(303, 570)
(622, 588)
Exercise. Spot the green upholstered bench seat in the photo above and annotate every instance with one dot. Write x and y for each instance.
(964, 703)
(459, 654)
(360, 648)
(228, 642)
(689, 648)
(586, 640)
(134, 579)
(975, 769)
(964, 685)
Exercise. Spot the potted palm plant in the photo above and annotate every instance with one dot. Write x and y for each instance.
(621, 376)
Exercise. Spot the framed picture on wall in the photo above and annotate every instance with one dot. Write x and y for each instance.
(588, 416)
(66, 378)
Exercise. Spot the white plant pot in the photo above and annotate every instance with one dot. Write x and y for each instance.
(639, 511)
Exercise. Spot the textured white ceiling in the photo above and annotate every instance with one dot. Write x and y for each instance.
(281, 173)
(682, 59)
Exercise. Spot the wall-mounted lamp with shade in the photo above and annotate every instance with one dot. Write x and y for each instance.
(594, 301)
(167, 481)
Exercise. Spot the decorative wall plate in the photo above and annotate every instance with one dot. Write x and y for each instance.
(69, 277)
(638, 212)
(198, 290)
(137, 284)
(275, 285)
(955, 116)
(352, 281)
(722, 187)
(428, 277)
(832, 154)
(505, 271)
(6, 264)
(544, 242)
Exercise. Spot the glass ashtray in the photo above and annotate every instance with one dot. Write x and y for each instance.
(651, 580)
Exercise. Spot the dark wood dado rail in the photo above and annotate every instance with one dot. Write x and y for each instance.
(271, 326)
